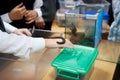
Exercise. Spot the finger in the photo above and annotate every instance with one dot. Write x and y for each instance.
(30, 21)
(27, 14)
(41, 25)
(69, 44)
(20, 33)
(27, 33)
(28, 18)
(23, 10)
(24, 32)
(19, 5)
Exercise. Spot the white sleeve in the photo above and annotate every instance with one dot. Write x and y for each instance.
(37, 5)
(6, 18)
(9, 28)
(20, 46)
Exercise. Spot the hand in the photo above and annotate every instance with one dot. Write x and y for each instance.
(18, 12)
(51, 43)
(40, 22)
(30, 16)
(23, 32)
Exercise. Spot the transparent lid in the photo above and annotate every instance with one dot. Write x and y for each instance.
(104, 2)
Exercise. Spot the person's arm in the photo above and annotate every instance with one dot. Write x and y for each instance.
(6, 18)
(40, 23)
(36, 7)
(20, 46)
(11, 29)
(52, 43)
(23, 46)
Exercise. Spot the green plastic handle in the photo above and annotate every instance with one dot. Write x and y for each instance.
(62, 74)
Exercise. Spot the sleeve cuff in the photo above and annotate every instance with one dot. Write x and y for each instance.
(9, 28)
(39, 12)
(6, 18)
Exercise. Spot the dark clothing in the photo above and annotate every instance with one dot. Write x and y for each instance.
(110, 12)
(2, 28)
(92, 1)
(49, 11)
(48, 25)
(8, 5)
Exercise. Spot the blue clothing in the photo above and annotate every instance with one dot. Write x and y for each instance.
(114, 33)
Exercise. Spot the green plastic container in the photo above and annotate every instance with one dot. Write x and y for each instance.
(73, 63)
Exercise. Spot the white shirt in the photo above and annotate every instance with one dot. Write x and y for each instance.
(21, 45)
(36, 7)
(9, 28)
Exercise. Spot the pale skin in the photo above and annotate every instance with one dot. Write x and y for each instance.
(51, 43)
(30, 16)
(22, 31)
(18, 12)
(40, 23)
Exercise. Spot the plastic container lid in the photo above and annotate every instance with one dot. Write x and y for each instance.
(78, 61)
(105, 16)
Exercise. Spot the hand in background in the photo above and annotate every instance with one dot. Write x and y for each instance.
(30, 16)
(23, 32)
(18, 12)
(40, 22)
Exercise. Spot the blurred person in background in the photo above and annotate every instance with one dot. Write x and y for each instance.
(110, 12)
(49, 9)
(114, 33)
(21, 13)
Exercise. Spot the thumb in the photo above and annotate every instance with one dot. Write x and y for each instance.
(27, 33)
